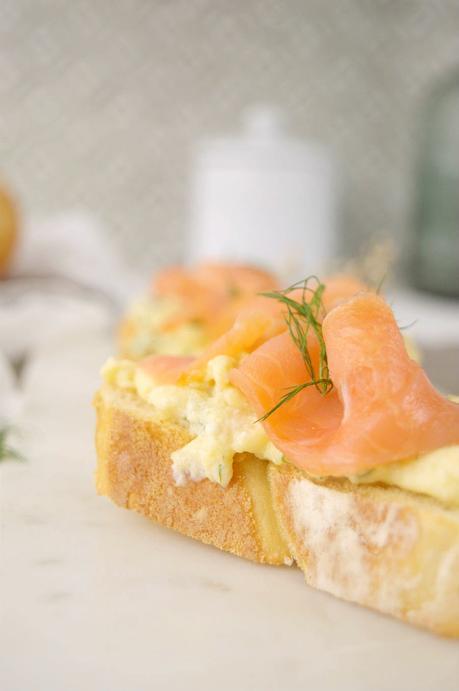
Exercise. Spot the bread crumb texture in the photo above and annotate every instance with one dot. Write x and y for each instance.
(134, 469)
(381, 547)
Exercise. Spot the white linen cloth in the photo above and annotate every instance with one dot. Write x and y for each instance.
(67, 282)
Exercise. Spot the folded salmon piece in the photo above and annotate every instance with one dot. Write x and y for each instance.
(382, 407)
(211, 293)
(261, 318)
(187, 308)
(165, 369)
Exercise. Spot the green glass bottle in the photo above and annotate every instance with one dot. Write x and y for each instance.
(435, 255)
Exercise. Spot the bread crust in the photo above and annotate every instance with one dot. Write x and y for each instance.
(384, 548)
(134, 469)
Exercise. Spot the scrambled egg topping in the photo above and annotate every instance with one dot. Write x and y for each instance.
(216, 414)
(222, 424)
(146, 334)
(435, 474)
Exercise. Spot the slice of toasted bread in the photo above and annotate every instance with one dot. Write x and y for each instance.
(135, 470)
(381, 547)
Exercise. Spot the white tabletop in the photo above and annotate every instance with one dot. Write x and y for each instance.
(96, 598)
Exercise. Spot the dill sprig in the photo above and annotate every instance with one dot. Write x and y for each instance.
(303, 317)
(6, 451)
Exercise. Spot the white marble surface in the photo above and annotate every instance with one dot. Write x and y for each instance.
(95, 598)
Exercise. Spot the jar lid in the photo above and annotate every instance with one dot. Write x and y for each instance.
(263, 143)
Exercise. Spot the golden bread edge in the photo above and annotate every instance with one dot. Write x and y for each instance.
(387, 549)
(381, 547)
(134, 469)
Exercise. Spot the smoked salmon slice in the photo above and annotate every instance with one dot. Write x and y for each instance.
(381, 409)
(262, 318)
(165, 369)
(211, 294)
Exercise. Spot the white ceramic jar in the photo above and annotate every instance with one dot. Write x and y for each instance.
(263, 197)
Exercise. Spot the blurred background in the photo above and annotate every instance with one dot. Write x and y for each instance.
(299, 134)
(304, 135)
(104, 103)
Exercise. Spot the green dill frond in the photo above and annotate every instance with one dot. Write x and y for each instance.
(303, 317)
(404, 327)
(6, 451)
(379, 285)
(293, 391)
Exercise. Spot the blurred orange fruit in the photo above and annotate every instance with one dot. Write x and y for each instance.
(8, 231)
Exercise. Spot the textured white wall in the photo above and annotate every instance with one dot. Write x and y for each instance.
(101, 100)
